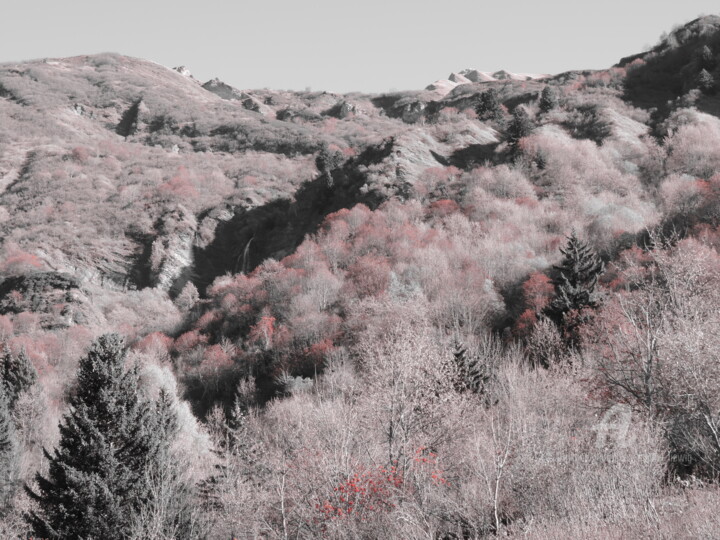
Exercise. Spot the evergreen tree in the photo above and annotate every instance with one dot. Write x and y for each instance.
(97, 475)
(8, 454)
(574, 287)
(706, 58)
(17, 373)
(706, 82)
(521, 126)
(549, 99)
(471, 376)
(490, 107)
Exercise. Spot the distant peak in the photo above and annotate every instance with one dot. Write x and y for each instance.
(468, 76)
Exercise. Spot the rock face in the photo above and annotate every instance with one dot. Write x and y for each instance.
(224, 90)
(55, 297)
(185, 72)
(343, 109)
(171, 257)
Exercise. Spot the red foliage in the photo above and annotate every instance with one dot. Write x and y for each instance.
(157, 344)
(427, 461)
(189, 340)
(538, 290)
(443, 208)
(179, 186)
(369, 275)
(316, 353)
(525, 323)
(215, 358)
(20, 262)
(364, 493)
(262, 332)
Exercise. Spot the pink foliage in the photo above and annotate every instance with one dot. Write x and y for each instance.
(189, 340)
(538, 290)
(262, 332)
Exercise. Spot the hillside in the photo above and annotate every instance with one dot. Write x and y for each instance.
(364, 310)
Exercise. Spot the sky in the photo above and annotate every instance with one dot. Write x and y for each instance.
(340, 45)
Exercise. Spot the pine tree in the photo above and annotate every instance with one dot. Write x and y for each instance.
(490, 107)
(8, 454)
(706, 82)
(17, 374)
(470, 375)
(549, 99)
(97, 475)
(521, 126)
(575, 286)
(706, 58)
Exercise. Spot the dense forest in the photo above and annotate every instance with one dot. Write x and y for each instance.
(480, 309)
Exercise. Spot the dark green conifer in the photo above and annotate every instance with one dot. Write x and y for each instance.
(521, 126)
(17, 374)
(8, 454)
(574, 286)
(471, 376)
(549, 99)
(490, 107)
(706, 58)
(706, 82)
(97, 476)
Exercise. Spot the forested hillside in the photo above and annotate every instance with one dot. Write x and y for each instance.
(481, 309)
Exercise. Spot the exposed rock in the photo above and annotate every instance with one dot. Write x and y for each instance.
(251, 103)
(223, 90)
(185, 72)
(343, 109)
(171, 257)
(413, 111)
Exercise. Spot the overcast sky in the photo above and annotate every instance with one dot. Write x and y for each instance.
(341, 46)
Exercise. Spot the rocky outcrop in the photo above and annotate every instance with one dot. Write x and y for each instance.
(185, 72)
(343, 109)
(171, 256)
(223, 90)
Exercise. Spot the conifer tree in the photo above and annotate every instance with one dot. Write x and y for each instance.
(8, 454)
(706, 82)
(521, 126)
(17, 374)
(706, 58)
(97, 475)
(470, 373)
(489, 107)
(575, 286)
(549, 99)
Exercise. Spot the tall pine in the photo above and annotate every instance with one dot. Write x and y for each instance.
(577, 277)
(97, 476)
(17, 374)
(8, 454)
(490, 107)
